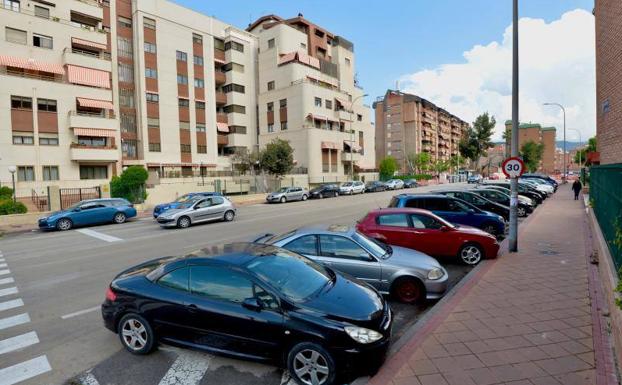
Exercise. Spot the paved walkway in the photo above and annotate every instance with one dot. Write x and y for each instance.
(524, 319)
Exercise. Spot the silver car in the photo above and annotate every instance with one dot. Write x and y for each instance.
(199, 210)
(409, 275)
(288, 194)
(350, 188)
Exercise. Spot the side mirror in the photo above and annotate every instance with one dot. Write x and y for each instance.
(252, 304)
(364, 256)
(77, 209)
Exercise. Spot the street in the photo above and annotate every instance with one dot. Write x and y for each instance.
(61, 278)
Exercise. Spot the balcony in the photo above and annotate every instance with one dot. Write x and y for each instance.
(345, 115)
(219, 55)
(82, 153)
(222, 140)
(220, 78)
(355, 156)
(221, 98)
(91, 120)
(81, 58)
(221, 117)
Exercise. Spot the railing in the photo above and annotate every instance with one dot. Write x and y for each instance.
(103, 114)
(70, 196)
(90, 147)
(33, 75)
(605, 182)
(97, 55)
(41, 202)
(8, 7)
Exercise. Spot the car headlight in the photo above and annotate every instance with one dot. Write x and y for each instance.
(362, 335)
(435, 273)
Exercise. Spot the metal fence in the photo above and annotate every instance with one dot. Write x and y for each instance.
(41, 201)
(606, 198)
(70, 196)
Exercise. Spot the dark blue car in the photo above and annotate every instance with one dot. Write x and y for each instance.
(162, 207)
(453, 210)
(89, 212)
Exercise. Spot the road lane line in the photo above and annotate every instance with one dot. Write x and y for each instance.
(2, 264)
(5, 272)
(11, 304)
(88, 379)
(24, 370)
(188, 369)
(18, 342)
(15, 320)
(80, 312)
(8, 291)
(4, 281)
(98, 235)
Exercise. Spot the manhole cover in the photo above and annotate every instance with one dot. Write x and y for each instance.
(548, 252)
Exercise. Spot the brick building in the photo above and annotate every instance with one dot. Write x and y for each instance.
(538, 134)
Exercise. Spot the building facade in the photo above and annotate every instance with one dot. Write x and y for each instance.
(536, 133)
(408, 124)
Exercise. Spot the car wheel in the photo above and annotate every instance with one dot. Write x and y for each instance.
(521, 211)
(183, 222)
(408, 290)
(136, 335)
(335, 194)
(311, 364)
(490, 228)
(64, 224)
(283, 200)
(471, 254)
(304, 197)
(351, 192)
(229, 215)
(119, 218)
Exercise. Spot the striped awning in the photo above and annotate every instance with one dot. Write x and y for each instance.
(93, 103)
(321, 118)
(222, 127)
(330, 146)
(217, 60)
(98, 132)
(86, 43)
(181, 165)
(343, 102)
(31, 64)
(355, 147)
(88, 76)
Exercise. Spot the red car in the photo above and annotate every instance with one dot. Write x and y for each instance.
(423, 231)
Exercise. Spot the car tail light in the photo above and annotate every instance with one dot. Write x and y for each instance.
(110, 295)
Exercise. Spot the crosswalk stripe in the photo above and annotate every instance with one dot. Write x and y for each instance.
(88, 379)
(2, 264)
(4, 281)
(18, 342)
(5, 272)
(8, 291)
(24, 370)
(188, 369)
(11, 304)
(98, 235)
(15, 320)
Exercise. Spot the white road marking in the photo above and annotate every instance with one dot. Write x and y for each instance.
(11, 304)
(18, 342)
(88, 379)
(15, 320)
(4, 281)
(2, 260)
(8, 291)
(98, 235)
(24, 370)
(5, 272)
(2, 264)
(80, 312)
(188, 369)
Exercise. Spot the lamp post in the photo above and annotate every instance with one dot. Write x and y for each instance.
(352, 134)
(12, 170)
(565, 161)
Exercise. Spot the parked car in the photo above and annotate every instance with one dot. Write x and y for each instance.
(89, 212)
(375, 186)
(162, 207)
(255, 302)
(324, 191)
(479, 202)
(411, 183)
(506, 191)
(523, 189)
(475, 178)
(523, 208)
(423, 231)
(350, 188)
(545, 178)
(453, 210)
(539, 184)
(394, 184)
(199, 210)
(288, 194)
(410, 276)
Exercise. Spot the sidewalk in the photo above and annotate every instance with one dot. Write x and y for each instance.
(523, 319)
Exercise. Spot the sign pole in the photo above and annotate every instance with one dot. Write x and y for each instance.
(513, 234)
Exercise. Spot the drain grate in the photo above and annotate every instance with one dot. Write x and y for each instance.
(548, 252)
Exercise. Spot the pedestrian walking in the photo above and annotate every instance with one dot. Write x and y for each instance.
(576, 187)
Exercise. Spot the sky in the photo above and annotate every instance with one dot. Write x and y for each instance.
(457, 53)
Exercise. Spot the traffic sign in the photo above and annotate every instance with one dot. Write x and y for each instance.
(513, 167)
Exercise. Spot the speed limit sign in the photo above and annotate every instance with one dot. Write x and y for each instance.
(513, 167)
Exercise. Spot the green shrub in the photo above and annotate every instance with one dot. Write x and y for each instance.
(6, 192)
(415, 177)
(388, 167)
(7, 206)
(130, 184)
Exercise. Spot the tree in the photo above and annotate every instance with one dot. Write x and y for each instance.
(388, 167)
(532, 154)
(277, 158)
(130, 184)
(244, 160)
(440, 166)
(581, 155)
(420, 162)
(478, 139)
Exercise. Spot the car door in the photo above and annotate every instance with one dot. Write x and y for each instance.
(222, 320)
(201, 210)
(298, 193)
(305, 245)
(91, 213)
(431, 237)
(395, 229)
(440, 206)
(217, 208)
(462, 213)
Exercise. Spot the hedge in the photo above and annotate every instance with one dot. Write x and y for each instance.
(416, 177)
(7, 206)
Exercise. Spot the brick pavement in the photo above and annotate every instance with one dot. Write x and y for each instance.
(525, 320)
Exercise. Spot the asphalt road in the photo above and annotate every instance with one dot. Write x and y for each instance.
(53, 283)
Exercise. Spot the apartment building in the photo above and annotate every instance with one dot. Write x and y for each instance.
(536, 133)
(308, 95)
(409, 124)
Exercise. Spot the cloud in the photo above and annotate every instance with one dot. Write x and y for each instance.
(556, 65)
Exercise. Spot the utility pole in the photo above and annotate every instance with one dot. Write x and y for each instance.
(513, 236)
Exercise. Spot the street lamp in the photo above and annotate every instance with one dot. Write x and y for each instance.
(352, 134)
(565, 161)
(12, 170)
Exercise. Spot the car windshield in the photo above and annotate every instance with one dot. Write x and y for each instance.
(295, 276)
(346, 184)
(184, 198)
(282, 190)
(75, 206)
(379, 249)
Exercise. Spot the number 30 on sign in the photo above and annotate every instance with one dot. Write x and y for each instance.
(513, 167)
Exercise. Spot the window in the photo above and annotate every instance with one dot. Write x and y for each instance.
(48, 141)
(125, 48)
(340, 247)
(150, 47)
(328, 104)
(197, 60)
(237, 129)
(359, 117)
(421, 221)
(27, 140)
(271, 43)
(151, 73)
(201, 149)
(234, 45)
(126, 73)
(153, 122)
(306, 245)
(92, 141)
(152, 98)
(185, 148)
(227, 88)
(154, 147)
(270, 106)
(149, 23)
(25, 173)
(220, 284)
(124, 22)
(182, 79)
(197, 39)
(184, 125)
(318, 102)
(126, 97)
(219, 44)
(200, 127)
(234, 108)
(42, 41)
(395, 220)
(200, 105)
(128, 123)
(15, 35)
(183, 102)
(283, 103)
(50, 173)
(303, 45)
(46, 105)
(271, 85)
(42, 12)
(457, 206)
(21, 102)
(182, 56)
(348, 62)
(233, 67)
(199, 83)
(270, 127)
(12, 5)
(176, 279)
(283, 126)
